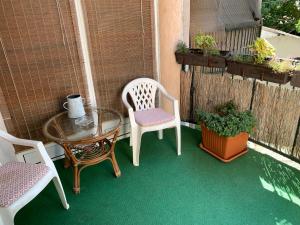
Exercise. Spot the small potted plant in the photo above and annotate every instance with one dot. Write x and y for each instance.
(206, 43)
(296, 77)
(280, 71)
(261, 65)
(205, 53)
(181, 51)
(225, 132)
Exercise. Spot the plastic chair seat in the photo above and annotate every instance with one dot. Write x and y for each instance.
(152, 117)
(16, 178)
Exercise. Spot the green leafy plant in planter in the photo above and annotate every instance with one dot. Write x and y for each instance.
(262, 50)
(228, 121)
(181, 51)
(296, 76)
(242, 58)
(207, 43)
(214, 52)
(181, 47)
(261, 65)
(205, 54)
(225, 132)
(282, 66)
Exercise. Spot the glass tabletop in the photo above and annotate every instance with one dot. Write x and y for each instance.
(95, 123)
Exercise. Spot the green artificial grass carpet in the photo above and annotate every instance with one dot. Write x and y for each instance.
(193, 188)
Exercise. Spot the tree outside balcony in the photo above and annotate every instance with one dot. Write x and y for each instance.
(282, 15)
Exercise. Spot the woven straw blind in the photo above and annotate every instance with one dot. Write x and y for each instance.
(120, 38)
(39, 63)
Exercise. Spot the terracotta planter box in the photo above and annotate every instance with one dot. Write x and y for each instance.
(296, 79)
(224, 148)
(195, 57)
(256, 71)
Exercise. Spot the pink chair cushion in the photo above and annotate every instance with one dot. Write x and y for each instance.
(153, 116)
(16, 178)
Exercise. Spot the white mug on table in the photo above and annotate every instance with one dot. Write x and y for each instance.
(75, 106)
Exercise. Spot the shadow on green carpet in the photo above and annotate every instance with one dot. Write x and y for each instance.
(193, 188)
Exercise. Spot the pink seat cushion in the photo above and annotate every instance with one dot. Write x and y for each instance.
(153, 116)
(16, 178)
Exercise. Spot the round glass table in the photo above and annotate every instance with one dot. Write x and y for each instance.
(87, 140)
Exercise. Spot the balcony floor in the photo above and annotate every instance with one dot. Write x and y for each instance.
(194, 188)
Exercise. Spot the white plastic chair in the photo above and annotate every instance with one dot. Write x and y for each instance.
(21, 182)
(146, 117)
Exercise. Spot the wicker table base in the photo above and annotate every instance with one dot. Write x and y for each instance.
(86, 153)
(87, 140)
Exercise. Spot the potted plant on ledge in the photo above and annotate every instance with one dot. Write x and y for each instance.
(261, 65)
(296, 77)
(205, 54)
(225, 133)
(181, 51)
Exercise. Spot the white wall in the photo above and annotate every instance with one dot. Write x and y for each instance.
(173, 26)
(286, 45)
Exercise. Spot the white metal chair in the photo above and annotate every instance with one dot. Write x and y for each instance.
(146, 117)
(21, 182)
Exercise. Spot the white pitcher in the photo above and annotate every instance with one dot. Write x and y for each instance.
(75, 106)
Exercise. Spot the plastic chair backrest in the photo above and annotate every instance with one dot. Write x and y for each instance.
(142, 92)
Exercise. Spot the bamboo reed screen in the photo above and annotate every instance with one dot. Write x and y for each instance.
(185, 84)
(278, 111)
(120, 44)
(296, 152)
(276, 108)
(212, 90)
(39, 62)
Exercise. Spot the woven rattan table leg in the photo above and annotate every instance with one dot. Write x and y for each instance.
(112, 156)
(67, 162)
(67, 159)
(115, 164)
(76, 187)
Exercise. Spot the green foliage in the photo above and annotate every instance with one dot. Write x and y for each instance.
(182, 47)
(208, 44)
(281, 66)
(205, 42)
(261, 50)
(228, 121)
(227, 108)
(214, 52)
(298, 26)
(282, 15)
(243, 58)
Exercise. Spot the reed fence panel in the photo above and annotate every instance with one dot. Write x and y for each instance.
(185, 84)
(296, 152)
(276, 108)
(213, 89)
